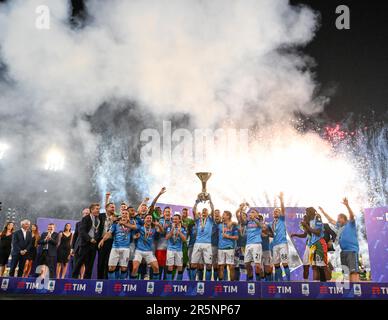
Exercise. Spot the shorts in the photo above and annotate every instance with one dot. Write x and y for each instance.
(349, 260)
(119, 256)
(280, 253)
(215, 254)
(266, 258)
(132, 249)
(253, 253)
(306, 256)
(202, 253)
(225, 256)
(161, 256)
(174, 258)
(148, 256)
(318, 253)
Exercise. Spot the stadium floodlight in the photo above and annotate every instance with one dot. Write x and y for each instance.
(3, 149)
(55, 160)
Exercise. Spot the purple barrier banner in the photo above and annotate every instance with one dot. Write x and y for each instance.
(376, 223)
(194, 290)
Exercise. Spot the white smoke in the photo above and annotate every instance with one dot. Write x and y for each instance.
(211, 60)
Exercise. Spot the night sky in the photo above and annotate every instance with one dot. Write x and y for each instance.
(355, 61)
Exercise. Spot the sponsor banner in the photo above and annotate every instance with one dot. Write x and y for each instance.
(376, 224)
(127, 288)
(192, 289)
(323, 290)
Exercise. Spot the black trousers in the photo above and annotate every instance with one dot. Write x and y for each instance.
(48, 261)
(16, 260)
(103, 259)
(86, 255)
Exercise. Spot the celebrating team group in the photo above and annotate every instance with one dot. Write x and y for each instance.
(153, 243)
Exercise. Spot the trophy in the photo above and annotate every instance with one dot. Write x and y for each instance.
(204, 177)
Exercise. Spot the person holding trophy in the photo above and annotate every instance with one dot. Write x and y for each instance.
(202, 250)
(175, 236)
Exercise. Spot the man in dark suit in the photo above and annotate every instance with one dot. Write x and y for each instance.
(21, 244)
(90, 233)
(76, 238)
(104, 251)
(48, 242)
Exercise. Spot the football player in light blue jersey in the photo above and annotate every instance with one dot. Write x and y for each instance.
(217, 220)
(267, 254)
(144, 246)
(253, 249)
(176, 236)
(346, 230)
(162, 243)
(242, 217)
(119, 255)
(227, 237)
(202, 250)
(279, 242)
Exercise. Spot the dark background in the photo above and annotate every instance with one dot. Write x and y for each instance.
(355, 61)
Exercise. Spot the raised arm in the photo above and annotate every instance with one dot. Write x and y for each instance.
(152, 206)
(282, 208)
(145, 201)
(239, 211)
(195, 212)
(345, 201)
(211, 207)
(330, 219)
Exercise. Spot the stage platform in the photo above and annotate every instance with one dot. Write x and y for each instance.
(143, 289)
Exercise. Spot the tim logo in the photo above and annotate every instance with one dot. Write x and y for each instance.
(271, 289)
(200, 288)
(51, 285)
(279, 289)
(4, 284)
(167, 288)
(74, 286)
(150, 287)
(305, 289)
(230, 289)
(99, 286)
(357, 289)
(331, 290)
(251, 288)
(379, 290)
(218, 288)
(20, 285)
